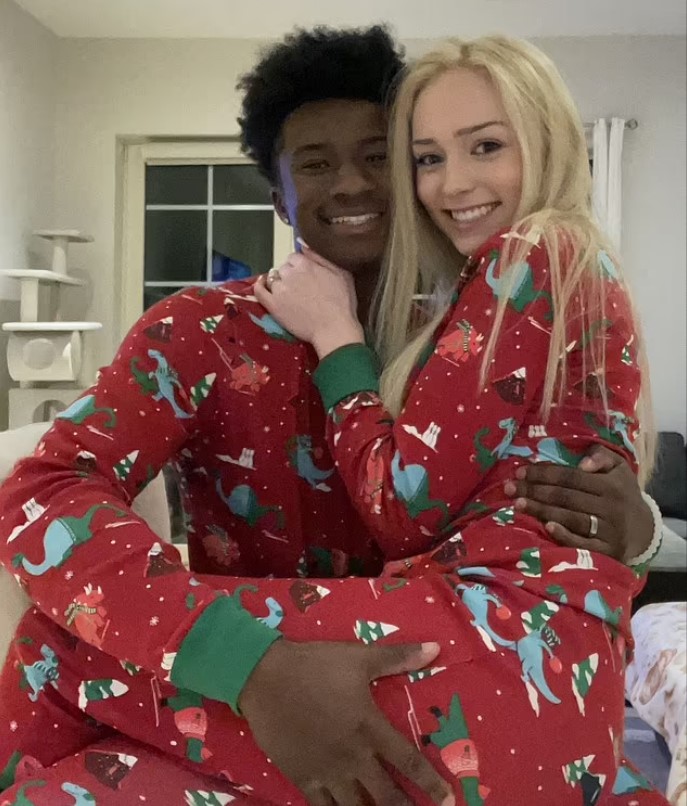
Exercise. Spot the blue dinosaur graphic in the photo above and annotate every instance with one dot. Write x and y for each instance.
(167, 381)
(616, 433)
(411, 485)
(299, 449)
(160, 383)
(272, 328)
(82, 797)
(627, 781)
(531, 649)
(476, 598)
(596, 605)
(553, 450)
(243, 502)
(62, 536)
(37, 675)
(488, 457)
(516, 281)
(607, 267)
(83, 408)
(275, 614)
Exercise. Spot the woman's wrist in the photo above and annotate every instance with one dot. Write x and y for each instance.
(336, 338)
(635, 559)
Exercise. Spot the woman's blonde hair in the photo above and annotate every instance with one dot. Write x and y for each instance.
(555, 210)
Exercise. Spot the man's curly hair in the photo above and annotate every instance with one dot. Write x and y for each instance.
(317, 65)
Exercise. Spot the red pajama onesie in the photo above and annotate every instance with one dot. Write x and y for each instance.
(130, 655)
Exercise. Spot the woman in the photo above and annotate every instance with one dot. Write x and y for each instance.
(530, 354)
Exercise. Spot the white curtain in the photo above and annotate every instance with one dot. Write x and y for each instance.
(607, 145)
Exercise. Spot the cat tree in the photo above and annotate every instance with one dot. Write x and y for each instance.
(44, 357)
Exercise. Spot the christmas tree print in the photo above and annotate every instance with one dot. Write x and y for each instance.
(161, 330)
(504, 516)
(583, 674)
(211, 323)
(529, 563)
(96, 690)
(626, 355)
(423, 674)
(202, 389)
(197, 797)
(109, 768)
(538, 616)
(370, 631)
(577, 773)
(124, 467)
(511, 387)
(558, 592)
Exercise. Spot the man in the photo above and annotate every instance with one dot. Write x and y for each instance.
(206, 379)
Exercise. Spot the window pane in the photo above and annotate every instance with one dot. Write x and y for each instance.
(175, 245)
(240, 184)
(155, 294)
(243, 241)
(176, 184)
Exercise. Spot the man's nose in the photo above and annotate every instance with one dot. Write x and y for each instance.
(351, 180)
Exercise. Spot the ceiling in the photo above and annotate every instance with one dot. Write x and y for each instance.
(410, 19)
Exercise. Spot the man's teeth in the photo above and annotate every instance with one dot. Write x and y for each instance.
(464, 216)
(354, 220)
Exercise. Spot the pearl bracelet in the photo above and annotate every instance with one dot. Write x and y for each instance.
(656, 540)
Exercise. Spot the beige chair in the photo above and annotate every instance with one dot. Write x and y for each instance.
(151, 505)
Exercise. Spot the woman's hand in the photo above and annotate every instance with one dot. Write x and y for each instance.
(314, 300)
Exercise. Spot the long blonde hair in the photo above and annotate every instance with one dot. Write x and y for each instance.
(555, 209)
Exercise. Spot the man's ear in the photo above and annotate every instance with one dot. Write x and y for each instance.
(280, 206)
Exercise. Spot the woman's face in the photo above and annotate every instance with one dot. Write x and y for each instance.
(468, 160)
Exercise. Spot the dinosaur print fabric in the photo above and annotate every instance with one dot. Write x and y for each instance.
(370, 530)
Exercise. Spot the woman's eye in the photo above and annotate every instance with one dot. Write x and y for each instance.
(487, 147)
(426, 160)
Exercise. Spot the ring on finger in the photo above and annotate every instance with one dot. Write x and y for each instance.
(593, 526)
(272, 276)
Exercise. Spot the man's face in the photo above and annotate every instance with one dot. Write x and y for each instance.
(334, 183)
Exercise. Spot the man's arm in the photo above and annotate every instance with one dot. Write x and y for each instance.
(603, 485)
(66, 522)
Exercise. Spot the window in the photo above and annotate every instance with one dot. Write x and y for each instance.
(193, 213)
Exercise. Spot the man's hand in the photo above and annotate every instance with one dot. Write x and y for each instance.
(310, 709)
(565, 497)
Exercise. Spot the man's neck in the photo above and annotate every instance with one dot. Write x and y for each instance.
(365, 285)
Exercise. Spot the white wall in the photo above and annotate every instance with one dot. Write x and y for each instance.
(111, 88)
(27, 133)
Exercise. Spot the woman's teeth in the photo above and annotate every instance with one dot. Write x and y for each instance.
(465, 216)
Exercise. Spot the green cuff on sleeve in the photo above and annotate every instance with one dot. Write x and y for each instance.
(221, 650)
(350, 369)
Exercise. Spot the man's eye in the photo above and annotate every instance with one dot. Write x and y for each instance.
(381, 157)
(487, 147)
(315, 165)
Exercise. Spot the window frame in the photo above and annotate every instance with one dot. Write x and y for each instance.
(135, 158)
